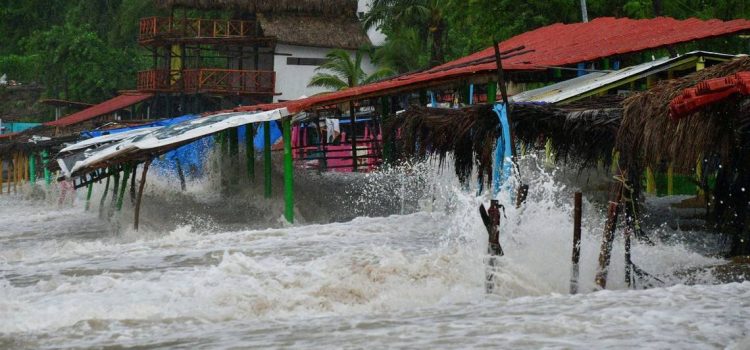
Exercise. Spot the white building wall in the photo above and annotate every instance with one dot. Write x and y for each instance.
(292, 80)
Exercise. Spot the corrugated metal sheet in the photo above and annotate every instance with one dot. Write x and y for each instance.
(555, 45)
(104, 108)
(568, 89)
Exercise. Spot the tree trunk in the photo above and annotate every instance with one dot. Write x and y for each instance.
(437, 52)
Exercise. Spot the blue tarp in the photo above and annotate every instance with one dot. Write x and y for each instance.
(191, 157)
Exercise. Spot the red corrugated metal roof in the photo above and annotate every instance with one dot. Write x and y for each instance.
(709, 92)
(555, 45)
(106, 107)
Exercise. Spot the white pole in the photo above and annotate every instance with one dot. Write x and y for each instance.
(584, 11)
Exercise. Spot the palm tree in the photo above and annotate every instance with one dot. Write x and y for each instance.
(426, 16)
(345, 72)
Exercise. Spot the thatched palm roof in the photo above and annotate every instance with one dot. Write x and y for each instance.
(340, 32)
(583, 132)
(328, 8)
(648, 136)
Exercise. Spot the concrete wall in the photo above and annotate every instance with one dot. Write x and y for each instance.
(292, 80)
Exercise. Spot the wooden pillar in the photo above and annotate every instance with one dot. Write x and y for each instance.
(267, 159)
(180, 174)
(132, 183)
(1, 175)
(140, 195)
(115, 189)
(288, 170)
(576, 257)
(608, 237)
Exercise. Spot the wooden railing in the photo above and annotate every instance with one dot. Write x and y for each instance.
(153, 28)
(209, 80)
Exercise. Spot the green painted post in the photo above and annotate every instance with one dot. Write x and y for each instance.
(267, 158)
(250, 151)
(123, 185)
(89, 190)
(47, 173)
(288, 171)
(491, 92)
(32, 168)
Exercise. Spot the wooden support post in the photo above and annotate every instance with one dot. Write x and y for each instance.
(32, 168)
(180, 174)
(250, 151)
(26, 168)
(1, 175)
(608, 237)
(575, 268)
(132, 183)
(353, 130)
(115, 190)
(288, 170)
(140, 195)
(628, 261)
(267, 159)
(15, 173)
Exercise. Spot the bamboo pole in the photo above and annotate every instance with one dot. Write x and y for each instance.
(288, 170)
(575, 269)
(267, 158)
(140, 194)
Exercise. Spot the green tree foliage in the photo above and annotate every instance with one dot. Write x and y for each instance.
(76, 64)
(344, 71)
(79, 49)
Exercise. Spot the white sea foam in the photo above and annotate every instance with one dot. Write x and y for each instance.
(413, 280)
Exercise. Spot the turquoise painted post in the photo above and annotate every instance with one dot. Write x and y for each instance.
(288, 171)
(32, 168)
(47, 173)
(471, 94)
(267, 158)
